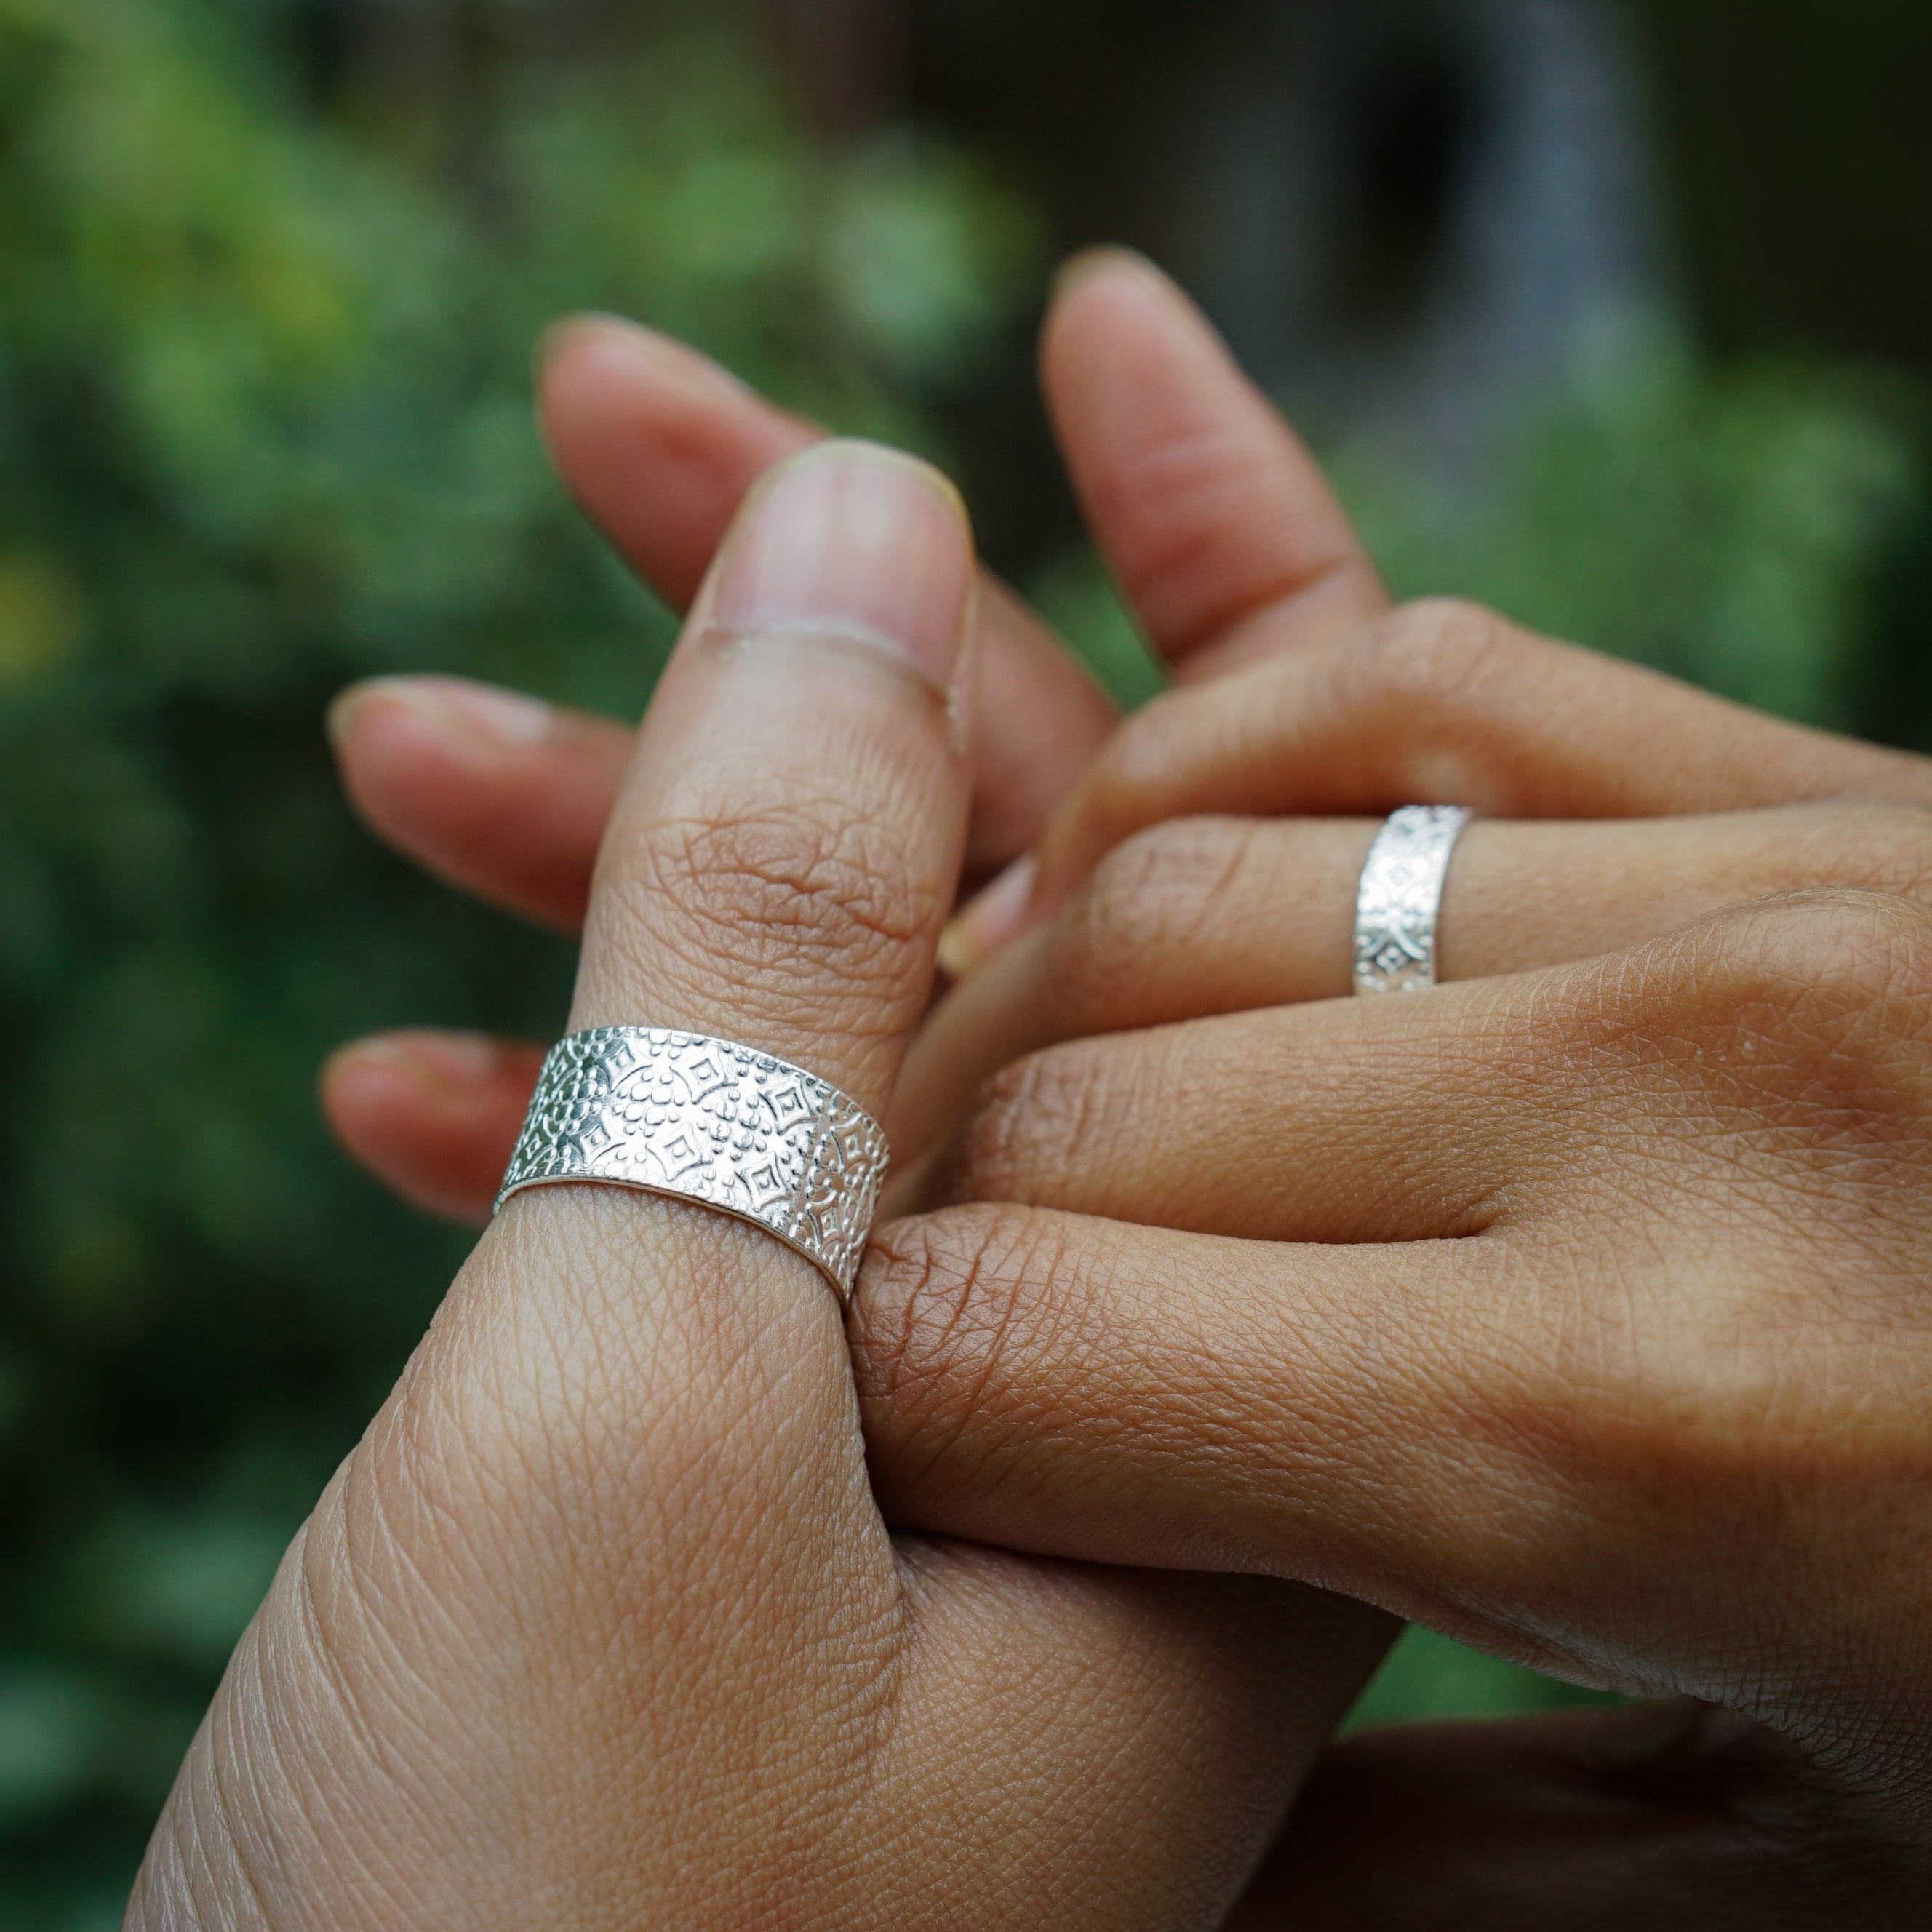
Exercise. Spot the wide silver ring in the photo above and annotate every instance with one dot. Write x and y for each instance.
(707, 1121)
(1399, 903)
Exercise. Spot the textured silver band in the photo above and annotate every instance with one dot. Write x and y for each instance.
(1399, 901)
(708, 1121)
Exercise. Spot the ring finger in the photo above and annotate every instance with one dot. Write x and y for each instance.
(1204, 917)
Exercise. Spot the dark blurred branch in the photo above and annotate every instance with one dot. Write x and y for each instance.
(1800, 135)
(846, 60)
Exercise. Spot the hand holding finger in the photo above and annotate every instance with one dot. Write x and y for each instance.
(602, 1623)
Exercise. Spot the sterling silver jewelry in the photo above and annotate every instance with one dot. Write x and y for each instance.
(1399, 901)
(708, 1121)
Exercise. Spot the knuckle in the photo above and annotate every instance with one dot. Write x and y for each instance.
(1837, 964)
(1441, 655)
(943, 1301)
(1031, 1127)
(1434, 687)
(1693, 1422)
(1727, 1396)
(817, 880)
(1793, 1028)
(1144, 896)
(1767, 1372)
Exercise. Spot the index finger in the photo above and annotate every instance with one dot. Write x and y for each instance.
(661, 444)
(1220, 524)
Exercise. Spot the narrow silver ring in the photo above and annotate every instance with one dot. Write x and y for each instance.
(1399, 903)
(707, 1121)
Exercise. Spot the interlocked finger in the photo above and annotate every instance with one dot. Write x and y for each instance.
(1197, 917)
(1635, 1424)
(1440, 703)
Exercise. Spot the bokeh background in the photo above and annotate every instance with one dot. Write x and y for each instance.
(1620, 316)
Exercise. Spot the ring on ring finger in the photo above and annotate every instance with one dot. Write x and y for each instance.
(1399, 901)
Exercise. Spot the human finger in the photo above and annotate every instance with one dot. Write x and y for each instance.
(1660, 1389)
(433, 1116)
(1678, 1816)
(1223, 531)
(492, 791)
(660, 445)
(1195, 917)
(1343, 1120)
(1154, 1399)
(1443, 703)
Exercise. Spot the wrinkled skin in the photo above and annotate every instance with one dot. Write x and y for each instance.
(1577, 1310)
(601, 1625)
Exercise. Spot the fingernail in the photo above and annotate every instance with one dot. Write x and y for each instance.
(627, 341)
(485, 715)
(1090, 262)
(851, 540)
(439, 1061)
(992, 923)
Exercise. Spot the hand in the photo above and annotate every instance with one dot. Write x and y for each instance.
(1151, 900)
(1579, 1314)
(1593, 1816)
(600, 1625)
(1209, 505)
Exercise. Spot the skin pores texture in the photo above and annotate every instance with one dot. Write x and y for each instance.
(1578, 1314)
(600, 1624)
(1691, 1352)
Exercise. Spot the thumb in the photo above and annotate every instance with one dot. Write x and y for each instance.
(684, 1587)
(779, 862)
(786, 844)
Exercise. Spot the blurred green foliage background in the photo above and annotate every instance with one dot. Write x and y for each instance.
(264, 428)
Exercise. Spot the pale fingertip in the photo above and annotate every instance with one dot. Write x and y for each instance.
(442, 1059)
(992, 921)
(1131, 271)
(359, 1081)
(855, 542)
(481, 716)
(338, 721)
(1085, 263)
(634, 348)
